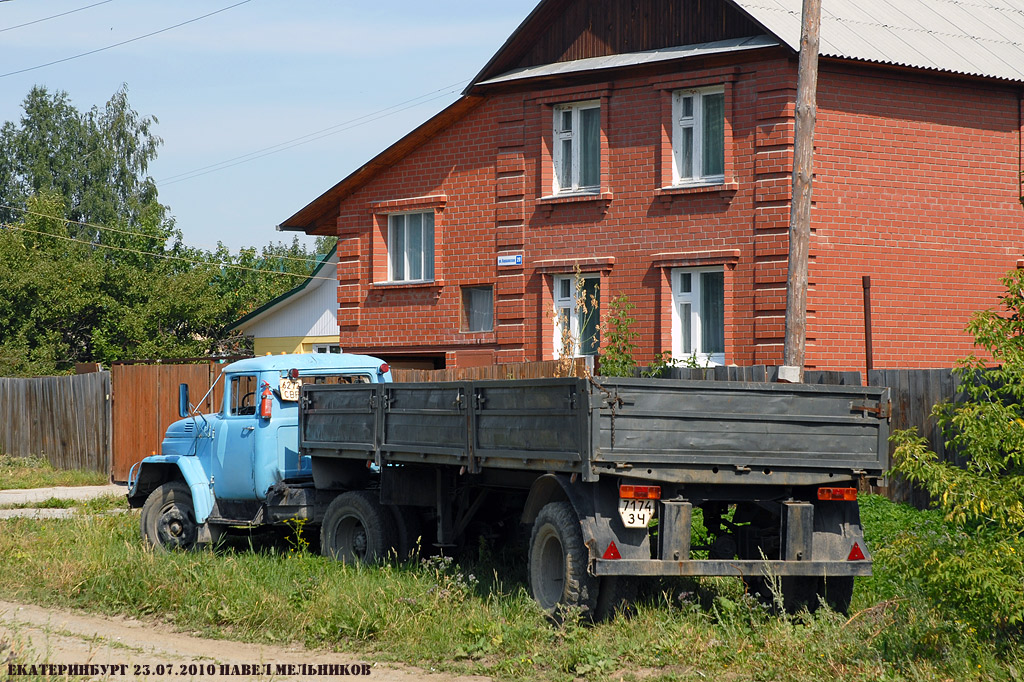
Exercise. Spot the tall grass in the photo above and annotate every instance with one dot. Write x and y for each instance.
(20, 473)
(477, 617)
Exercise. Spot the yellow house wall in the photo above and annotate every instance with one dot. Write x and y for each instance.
(289, 344)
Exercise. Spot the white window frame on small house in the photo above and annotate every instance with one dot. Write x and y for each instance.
(576, 158)
(698, 136)
(698, 324)
(411, 247)
(576, 315)
(326, 348)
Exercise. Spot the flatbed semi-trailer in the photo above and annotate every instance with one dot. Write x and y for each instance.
(608, 473)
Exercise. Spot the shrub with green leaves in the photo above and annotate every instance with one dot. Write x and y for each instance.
(620, 339)
(977, 571)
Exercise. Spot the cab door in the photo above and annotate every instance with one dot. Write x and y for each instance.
(233, 456)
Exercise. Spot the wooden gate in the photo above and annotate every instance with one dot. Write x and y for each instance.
(145, 403)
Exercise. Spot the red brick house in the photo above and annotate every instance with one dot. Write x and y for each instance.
(647, 145)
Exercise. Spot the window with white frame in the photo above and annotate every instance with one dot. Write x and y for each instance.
(411, 247)
(698, 315)
(478, 309)
(326, 348)
(577, 315)
(698, 136)
(577, 147)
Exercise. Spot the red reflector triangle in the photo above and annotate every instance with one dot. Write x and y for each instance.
(612, 552)
(856, 554)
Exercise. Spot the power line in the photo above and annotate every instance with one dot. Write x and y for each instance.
(226, 165)
(311, 137)
(165, 256)
(37, 21)
(123, 42)
(132, 233)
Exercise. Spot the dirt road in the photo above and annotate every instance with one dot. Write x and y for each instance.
(143, 650)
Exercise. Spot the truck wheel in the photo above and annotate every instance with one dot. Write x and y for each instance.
(357, 529)
(168, 518)
(408, 536)
(799, 592)
(837, 592)
(616, 593)
(558, 562)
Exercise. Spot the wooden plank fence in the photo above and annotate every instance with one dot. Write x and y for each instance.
(65, 419)
(513, 370)
(107, 421)
(914, 393)
(759, 373)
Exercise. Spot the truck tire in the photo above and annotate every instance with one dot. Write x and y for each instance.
(616, 593)
(169, 519)
(837, 592)
(408, 535)
(357, 529)
(558, 563)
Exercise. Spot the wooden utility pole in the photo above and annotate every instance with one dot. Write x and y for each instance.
(800, 211)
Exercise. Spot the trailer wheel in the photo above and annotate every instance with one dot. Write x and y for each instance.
(357, 529)
(558, 562)
(837, 592)
(169, 519)
(408, 535)
(616, 594)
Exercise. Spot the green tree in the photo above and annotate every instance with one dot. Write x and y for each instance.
(96, 160)
(93, 267)
(978, 571)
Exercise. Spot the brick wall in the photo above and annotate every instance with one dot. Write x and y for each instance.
(917, 185)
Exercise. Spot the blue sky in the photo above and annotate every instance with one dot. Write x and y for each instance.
(252, 77)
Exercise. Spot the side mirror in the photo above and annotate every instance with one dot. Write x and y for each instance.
(183, 410)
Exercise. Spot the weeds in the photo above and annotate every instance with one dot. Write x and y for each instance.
(460, 617)
(20, 473)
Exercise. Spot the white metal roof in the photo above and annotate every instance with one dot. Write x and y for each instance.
(974, 37)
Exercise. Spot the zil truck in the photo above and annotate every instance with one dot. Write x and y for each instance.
(606, 477)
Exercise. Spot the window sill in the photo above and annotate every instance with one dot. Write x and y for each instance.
(547, 204)
(666, 193)
(420, 284)
(469, 338)
(571, 198)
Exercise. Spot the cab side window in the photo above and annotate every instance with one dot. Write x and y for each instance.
(243, 397)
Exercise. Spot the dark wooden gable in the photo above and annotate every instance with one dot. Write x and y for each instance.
(566, 30)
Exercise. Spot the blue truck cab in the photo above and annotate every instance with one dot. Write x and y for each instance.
(240, 467)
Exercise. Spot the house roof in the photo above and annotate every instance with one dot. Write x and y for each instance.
(635, 58)
(971, 37)
(309, 283)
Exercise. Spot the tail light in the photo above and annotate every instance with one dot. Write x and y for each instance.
(640, 492)
(383, 369)
(837, 494)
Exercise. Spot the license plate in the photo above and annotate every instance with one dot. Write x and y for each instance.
(290, 389)
(636, 513)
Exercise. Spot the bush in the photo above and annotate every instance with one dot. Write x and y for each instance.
(976, 569)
